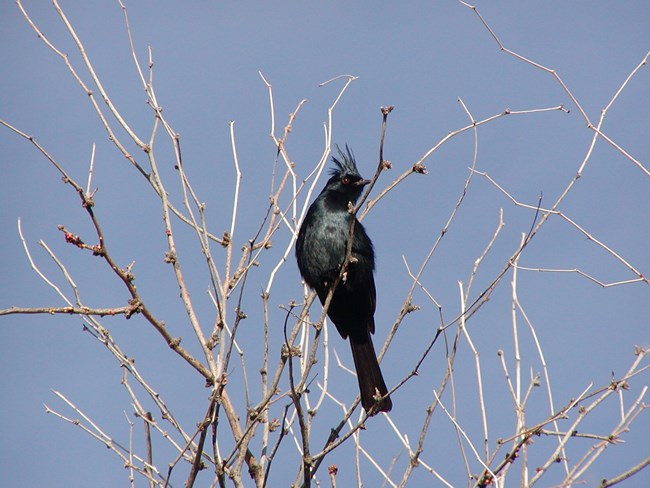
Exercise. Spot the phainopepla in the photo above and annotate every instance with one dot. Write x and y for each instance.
(320, 251)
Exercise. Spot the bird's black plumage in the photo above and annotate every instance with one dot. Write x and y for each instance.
(320, 252)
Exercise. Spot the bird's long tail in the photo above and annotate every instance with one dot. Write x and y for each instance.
(371, 381)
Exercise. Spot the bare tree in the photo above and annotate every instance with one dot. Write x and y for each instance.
(270, 416)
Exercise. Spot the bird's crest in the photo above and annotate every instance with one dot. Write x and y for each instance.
(345, 163)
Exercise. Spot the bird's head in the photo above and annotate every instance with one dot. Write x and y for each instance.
(345, 177)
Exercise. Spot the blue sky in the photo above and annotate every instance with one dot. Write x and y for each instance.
(422, 58)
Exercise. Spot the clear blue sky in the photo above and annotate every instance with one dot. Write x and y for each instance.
(421, 58)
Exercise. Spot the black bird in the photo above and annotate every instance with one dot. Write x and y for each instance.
(320, 252)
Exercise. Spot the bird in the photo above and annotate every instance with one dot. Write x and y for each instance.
(320, 252)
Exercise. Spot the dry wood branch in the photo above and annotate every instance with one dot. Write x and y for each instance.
(91, 428)
(552, 211)
(101, 312)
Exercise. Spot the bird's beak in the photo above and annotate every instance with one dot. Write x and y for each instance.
(362, 182)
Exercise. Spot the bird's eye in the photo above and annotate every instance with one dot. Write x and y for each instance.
(345, 180)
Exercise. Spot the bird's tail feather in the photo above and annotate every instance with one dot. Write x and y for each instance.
(371, 381)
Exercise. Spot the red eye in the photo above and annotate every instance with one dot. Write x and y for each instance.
(345, 180)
